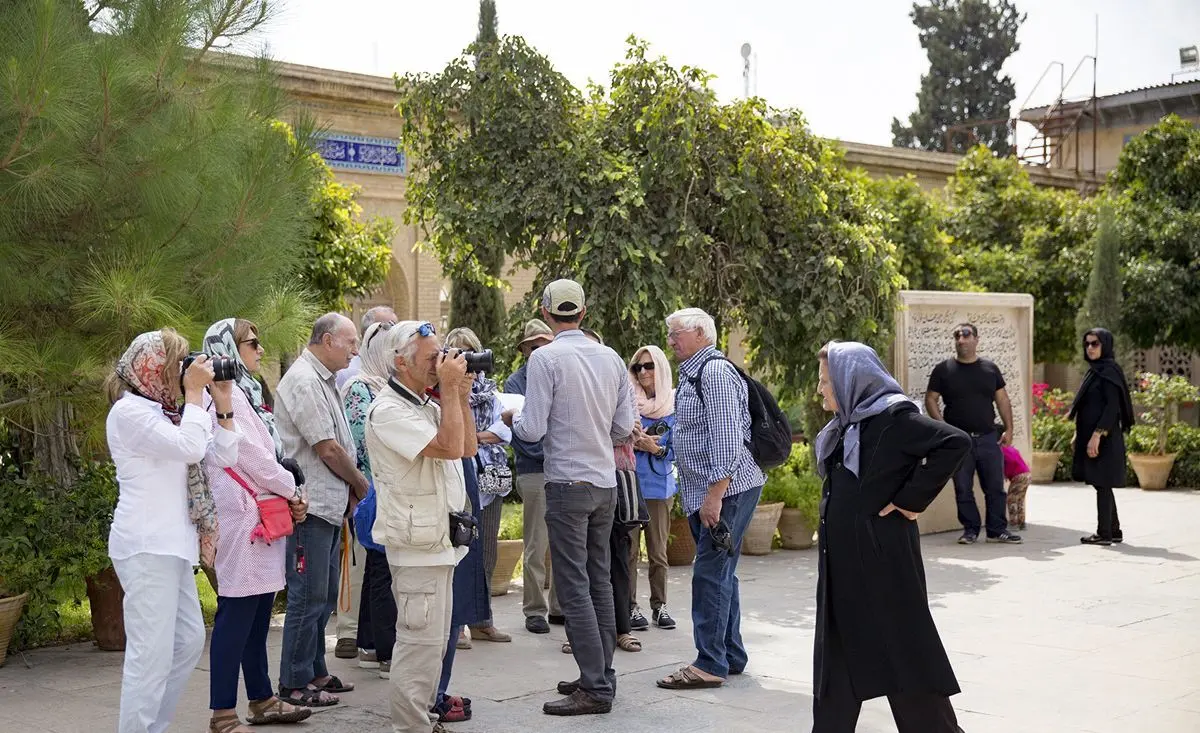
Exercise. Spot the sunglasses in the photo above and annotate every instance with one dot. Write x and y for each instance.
(383, 326)
(964, 333)
(426, 329)
(254, 343)
(636, 368)
(1089, 343)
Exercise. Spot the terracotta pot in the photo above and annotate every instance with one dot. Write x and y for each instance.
(1045, 463)
(794, 530)
(681, 547)
(10, 614)
(1152, 470)
(761, 532)
(106, 596)
(508, 554)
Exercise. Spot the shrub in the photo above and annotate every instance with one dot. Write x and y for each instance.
(1051, 433)
(1162, 396)
(796, 484)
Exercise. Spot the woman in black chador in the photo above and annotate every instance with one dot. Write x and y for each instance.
(883, 463)
(1103, 413)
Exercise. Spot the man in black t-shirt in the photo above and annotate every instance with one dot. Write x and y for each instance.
(969, 387)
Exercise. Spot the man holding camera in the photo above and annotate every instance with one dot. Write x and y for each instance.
(422, 514)
(580, 401)
(314, 432)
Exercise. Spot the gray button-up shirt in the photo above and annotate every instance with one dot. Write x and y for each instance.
(580, 401)
(308, 411)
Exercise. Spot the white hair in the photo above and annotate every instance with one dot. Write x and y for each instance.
(694, 319)
(402, 341)
(375, 315)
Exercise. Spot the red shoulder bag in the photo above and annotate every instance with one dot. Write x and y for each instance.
(274, 514)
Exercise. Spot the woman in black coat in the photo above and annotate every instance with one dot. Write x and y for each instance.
(883, 463)
(1103, 413)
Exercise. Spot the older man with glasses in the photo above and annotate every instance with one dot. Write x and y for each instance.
(972, 388)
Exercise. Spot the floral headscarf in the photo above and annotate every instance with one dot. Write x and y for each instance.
(219, 340)
(143, 367)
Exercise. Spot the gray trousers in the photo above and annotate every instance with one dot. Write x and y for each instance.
(579, 517)
(489, 530)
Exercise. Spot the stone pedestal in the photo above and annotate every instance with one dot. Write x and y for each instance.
(924, 323)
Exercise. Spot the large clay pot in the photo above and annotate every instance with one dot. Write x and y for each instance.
(10, 614)
(1152, 470)
(681, 546)
(106, 596)
(1045, 463)
(761, 532)
(508, 554)
(794, 530)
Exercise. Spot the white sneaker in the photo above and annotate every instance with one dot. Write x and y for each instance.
(385, 670)
(367, 660)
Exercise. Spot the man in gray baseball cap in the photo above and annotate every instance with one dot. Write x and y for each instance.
(579, 403)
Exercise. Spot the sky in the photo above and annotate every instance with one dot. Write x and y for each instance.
(850, 66)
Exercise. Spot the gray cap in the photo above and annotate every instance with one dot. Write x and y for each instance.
(563, 298)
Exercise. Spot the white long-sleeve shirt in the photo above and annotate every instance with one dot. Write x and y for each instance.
(152, 455)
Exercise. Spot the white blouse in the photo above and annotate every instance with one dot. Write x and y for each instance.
(152, 455)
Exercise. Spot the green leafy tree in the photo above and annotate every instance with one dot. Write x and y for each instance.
(1014, 237)
(1102, 303)
(913, 222)
(140, 186)
(344, 256)
(1157, 216)
(967, 42)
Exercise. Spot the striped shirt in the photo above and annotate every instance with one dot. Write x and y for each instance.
(710, 436)
(579, 399)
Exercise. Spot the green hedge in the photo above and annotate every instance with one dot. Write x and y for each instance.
(1183, 440)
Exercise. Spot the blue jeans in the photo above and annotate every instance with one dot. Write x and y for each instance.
(716, 606)
(447, 666)
(311, 597)
(986, 458)
(239, 639)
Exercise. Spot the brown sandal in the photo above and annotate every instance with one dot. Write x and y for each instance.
(226, 724)
(687, 679)
(275, 710)
(566, 647)
(629, 643)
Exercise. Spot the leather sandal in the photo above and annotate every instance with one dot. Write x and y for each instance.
(629, 643)
(227, 723)
(687, 679)
(275, 710)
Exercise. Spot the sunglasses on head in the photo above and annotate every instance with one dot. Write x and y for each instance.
(964, 333)
(426, 329)
(383, 326)
(254, 343)
(637, 368)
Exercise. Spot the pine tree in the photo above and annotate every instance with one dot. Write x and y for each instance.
(1102, 304)
(143, 184)
(478, 304)
(967, 42)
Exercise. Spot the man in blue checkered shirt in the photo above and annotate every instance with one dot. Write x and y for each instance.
(720, 485)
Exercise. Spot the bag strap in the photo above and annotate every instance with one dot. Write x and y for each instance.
(696, 381)
(241, 482)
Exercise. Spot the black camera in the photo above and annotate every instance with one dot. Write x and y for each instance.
(722, 538)
(463, 529)
(478, 362)
(657, 429)
(224, 368)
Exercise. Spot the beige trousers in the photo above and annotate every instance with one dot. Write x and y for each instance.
(657, 533)
(534, 573)
(424, 601)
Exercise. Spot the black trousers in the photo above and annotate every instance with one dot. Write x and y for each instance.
(619, 543)
(837, 709)
(1108, 524)
(377, 610)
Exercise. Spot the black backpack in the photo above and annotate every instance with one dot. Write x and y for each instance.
(770, 433)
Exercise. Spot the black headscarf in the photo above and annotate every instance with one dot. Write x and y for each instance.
(1105, 368)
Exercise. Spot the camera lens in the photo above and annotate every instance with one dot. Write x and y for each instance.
(224, 369)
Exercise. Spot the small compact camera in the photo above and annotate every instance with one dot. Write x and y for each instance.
(657, 429)
(722, 538)
(463, 529)
(224, 368)
(478, 362)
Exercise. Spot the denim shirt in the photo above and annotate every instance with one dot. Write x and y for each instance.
(529, 455)
(656, 476)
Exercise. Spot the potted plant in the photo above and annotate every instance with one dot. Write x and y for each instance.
(1161, 396)
(32, 537)
(801, 497)
(681, 546)
(510, 546)
(11, 602)
(1052, 431)
(89, 506)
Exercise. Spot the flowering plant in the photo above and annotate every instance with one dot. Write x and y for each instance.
(1163, 396)
(1053, 402)
(1052, 431)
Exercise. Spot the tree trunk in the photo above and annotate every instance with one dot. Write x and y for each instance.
(55, 449)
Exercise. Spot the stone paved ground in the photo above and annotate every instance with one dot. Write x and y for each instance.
(1049, 636)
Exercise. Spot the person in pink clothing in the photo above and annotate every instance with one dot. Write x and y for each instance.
(1016, 472)
(249, 571)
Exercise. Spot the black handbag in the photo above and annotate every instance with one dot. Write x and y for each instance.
(631, 507)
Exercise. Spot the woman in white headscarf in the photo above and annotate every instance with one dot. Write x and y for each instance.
(654, 390)
(883, 463)
(249, 569)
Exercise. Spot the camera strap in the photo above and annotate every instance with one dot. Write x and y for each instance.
(407, 394)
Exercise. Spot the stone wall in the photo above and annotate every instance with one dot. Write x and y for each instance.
(924, 323)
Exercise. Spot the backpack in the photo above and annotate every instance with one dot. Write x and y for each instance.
(770, 441)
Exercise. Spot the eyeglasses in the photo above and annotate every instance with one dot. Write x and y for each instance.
(636, 368)
(964, 333)
(676, 332)
(1089, 343)
(383, 326)
(254, 343)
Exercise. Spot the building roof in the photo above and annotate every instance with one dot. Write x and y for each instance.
(1156, 94)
